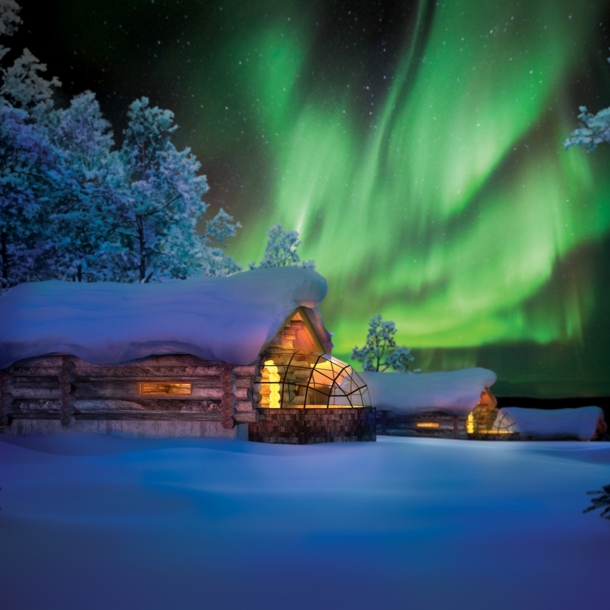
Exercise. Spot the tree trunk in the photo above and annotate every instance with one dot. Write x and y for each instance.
(142, 245)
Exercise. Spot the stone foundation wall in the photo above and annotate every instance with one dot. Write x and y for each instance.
(305, 426)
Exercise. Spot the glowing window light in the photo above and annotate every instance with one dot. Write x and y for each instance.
(274, 386)
(470, 423)
(308, 381)
(427, 424)
(164, 388)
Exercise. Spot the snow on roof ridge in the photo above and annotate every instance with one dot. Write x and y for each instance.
(217, 318)
(449, 391)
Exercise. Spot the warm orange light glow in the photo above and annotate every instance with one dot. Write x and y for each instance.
(427, 424)
(470, 423)
(274, 386)
(165, 388)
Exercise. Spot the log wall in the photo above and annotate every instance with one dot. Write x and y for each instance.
(72, 391)
(449, 426)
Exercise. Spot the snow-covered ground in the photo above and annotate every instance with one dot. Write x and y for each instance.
(100, 523)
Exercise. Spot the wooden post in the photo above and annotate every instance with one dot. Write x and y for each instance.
(66, 390)
(227, 384)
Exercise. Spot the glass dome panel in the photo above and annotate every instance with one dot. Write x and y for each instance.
(298, 380)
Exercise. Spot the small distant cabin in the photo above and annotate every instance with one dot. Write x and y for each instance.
(456, 404)
(446, 422)
(244, 357)
(460, 405)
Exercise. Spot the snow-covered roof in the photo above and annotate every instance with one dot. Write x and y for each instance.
(218, 318)
(542, 423)
(451, 392)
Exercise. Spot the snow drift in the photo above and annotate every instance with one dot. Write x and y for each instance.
(578, 423)
(454, 392)
(217, 318)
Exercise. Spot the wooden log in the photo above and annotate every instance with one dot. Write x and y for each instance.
(244, 405)
(35, 406)
(150, 416)
(100, 404)
(66, 391)
(249, 417)
(120, 388)
(44, 387)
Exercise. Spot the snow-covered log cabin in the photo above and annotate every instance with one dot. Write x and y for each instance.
(453, 404)
(460, 405)
(244, 356)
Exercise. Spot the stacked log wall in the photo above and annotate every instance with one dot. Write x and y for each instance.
(70, 391)
(449, 426)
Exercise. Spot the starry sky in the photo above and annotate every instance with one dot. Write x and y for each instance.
(415, 146)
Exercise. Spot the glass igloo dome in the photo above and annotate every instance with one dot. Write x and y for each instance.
(308, 381)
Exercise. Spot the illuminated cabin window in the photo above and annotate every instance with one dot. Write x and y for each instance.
(164, 388)
(427, 424)
(310, 381)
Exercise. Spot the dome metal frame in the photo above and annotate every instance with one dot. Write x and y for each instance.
(310, 381)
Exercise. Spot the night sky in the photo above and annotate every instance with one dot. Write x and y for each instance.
(416, 147)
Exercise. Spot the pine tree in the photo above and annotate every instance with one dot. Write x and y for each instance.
(85, 219)
(26, 160)
(163, 202)
(281, 250)
(26, 157)
(380, 351)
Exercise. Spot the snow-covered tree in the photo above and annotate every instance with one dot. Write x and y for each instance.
(26, 159)
(163, 193)
(594, 131)
(281, 250)
(9, 19)
(24, 87)
(74, 207)
(85, 219)
(380, 351)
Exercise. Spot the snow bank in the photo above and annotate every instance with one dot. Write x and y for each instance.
(454, 392)
(99, 523)
(217, 318)
(540, 423)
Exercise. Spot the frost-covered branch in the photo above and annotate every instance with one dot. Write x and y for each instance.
(602, 501)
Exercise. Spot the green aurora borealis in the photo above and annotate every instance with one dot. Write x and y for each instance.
(417, 148)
